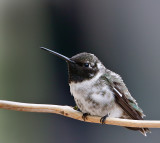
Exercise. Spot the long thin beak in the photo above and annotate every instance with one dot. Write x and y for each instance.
(59, 55)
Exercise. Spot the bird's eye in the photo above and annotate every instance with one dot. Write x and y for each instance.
(86, 65)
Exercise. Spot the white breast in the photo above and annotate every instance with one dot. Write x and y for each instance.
(101, 95)
(82, 88)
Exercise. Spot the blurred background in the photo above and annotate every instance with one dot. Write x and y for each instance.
(125, 36)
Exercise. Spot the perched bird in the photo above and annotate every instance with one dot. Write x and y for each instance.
(99, 91)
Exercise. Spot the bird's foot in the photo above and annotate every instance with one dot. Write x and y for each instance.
(84, 116)
(103, 119)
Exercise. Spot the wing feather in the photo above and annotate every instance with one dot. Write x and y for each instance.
(127, 103)
(123, 102)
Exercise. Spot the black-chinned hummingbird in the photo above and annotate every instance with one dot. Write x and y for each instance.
(99, 91)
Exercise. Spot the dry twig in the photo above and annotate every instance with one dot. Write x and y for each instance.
(70, 112)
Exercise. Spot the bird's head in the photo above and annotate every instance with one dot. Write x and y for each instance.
(83, 66)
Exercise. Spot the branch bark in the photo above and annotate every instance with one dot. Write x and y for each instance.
(70, 112)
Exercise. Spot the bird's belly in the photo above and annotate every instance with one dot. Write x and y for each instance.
(95, 101)
(99, 109)
(91, 107)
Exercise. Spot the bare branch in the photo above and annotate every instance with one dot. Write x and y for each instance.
(70, 112)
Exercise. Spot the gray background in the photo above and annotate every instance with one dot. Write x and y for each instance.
(124, 34)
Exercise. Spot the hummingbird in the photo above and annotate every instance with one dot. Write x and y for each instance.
(99, 91)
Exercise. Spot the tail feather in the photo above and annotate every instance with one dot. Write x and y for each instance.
(144, 131)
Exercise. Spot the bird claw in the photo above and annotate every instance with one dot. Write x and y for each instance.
(84, 116)
(103, 119)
